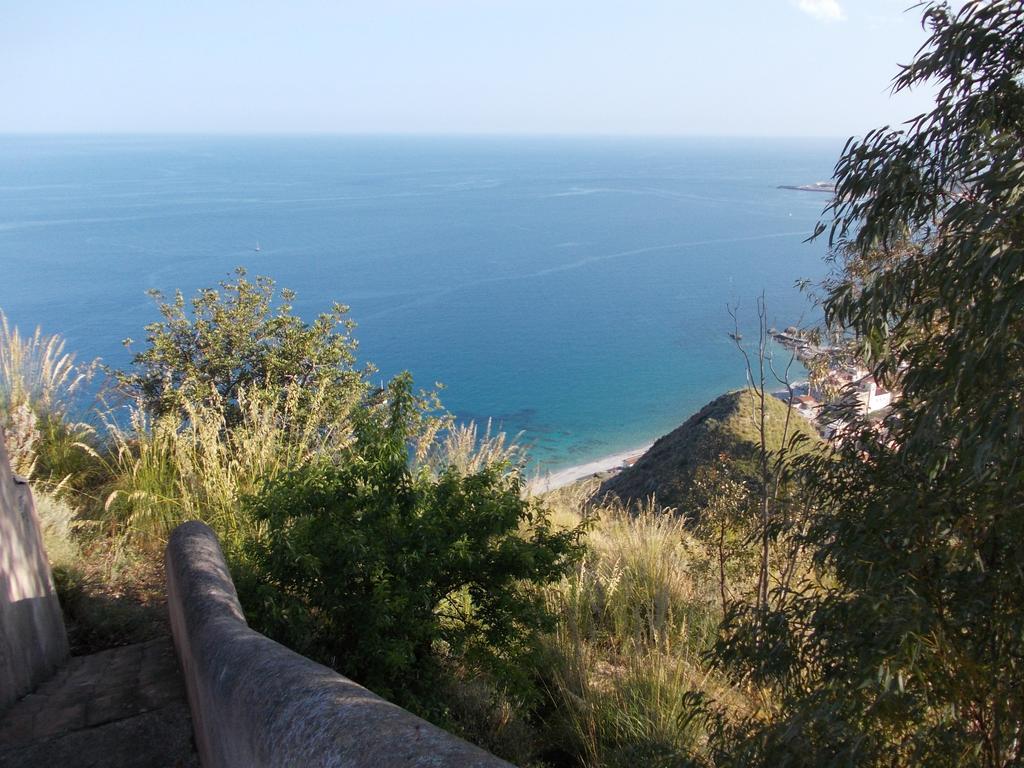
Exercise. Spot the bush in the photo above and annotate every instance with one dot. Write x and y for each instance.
(235, 339)
(231, 390)
(380, 571)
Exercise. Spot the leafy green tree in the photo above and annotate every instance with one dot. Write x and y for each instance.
(381, 571)
(908, 647)
(236, 338)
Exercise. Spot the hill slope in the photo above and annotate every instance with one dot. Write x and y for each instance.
(723, 431)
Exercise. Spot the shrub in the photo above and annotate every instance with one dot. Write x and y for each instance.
(379, 571)
(235, 339)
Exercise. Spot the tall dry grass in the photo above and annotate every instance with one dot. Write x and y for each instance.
(634, 622)
(36, 370)
(40, 385)
(59, 526)
(628, 709)
(467, 450)
(645, 578)
(193, 466)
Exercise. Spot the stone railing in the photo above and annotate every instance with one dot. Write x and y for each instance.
(33, 643)
(255, 703)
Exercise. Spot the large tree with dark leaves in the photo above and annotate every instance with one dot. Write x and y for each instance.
(907, 647)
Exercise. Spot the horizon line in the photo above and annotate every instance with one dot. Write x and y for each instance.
(401, 134)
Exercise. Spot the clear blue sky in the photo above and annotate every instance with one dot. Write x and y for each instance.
(747, 67)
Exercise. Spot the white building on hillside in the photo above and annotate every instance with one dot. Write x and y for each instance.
(872, 396)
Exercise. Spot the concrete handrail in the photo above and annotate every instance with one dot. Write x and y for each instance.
(33, 643)
(256, 703)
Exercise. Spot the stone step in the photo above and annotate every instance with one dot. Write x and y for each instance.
(120, 707)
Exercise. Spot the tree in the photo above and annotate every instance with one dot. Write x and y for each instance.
(235, 338)
(906, 649)
(777, 509)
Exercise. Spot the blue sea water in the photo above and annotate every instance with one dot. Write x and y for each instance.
(571, 289)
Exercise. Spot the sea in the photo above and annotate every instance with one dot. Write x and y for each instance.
(574, 292)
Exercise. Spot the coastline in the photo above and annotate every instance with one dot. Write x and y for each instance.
(551, 481)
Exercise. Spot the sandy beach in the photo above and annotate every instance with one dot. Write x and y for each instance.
(552, 480)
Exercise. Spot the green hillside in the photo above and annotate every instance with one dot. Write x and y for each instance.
(725, 431)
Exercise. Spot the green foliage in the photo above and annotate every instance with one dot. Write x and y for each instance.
(727, 526)
(235, 339)
(904, 646)
(378, 571)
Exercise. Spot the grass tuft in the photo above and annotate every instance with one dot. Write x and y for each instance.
(40, 385)
(634, 622)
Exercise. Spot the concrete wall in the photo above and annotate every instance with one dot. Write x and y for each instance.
(255, 703)
(33, 642)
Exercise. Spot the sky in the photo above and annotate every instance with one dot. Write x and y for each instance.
(606, 67)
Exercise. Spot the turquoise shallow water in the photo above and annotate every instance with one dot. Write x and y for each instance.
(572, 289)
